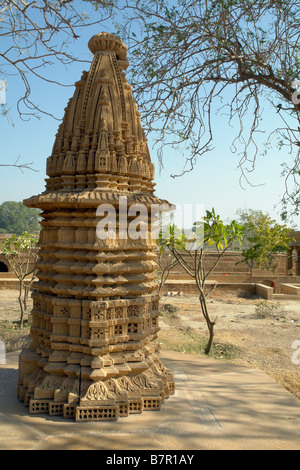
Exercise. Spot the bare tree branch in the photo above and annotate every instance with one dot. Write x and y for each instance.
(20, 166)
(188, 56)
(36, 34)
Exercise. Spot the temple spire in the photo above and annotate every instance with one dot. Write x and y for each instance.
(102, 106)
(94, 353)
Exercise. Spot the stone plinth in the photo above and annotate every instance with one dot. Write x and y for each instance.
(94, 353)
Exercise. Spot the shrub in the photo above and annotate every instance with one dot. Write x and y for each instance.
(267, 309)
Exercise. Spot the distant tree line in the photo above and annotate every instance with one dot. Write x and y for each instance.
(15, 218)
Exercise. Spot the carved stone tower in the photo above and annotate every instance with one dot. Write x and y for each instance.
(94, 354)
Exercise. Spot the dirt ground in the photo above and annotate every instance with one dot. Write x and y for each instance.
(261, 343)
(264, 343)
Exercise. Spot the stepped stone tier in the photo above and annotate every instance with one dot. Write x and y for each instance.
(94, 353)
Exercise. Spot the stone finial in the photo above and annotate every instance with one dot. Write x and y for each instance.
(108, 42)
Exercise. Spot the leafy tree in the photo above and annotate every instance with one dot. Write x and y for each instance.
(16, 218)
(265, 239)
(211, 231)
(190, 59)
(22, 253)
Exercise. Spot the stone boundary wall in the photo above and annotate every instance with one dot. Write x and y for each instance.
(231, 265)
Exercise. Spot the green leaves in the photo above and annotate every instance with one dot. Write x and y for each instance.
(14, 245)
(266, 238)
(173, 238)
(211, 232)
(219, 234)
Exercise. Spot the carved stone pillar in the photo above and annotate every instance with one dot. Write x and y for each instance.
(94, 354)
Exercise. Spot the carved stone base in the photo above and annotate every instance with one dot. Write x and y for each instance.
(84, 400)
(93, 360)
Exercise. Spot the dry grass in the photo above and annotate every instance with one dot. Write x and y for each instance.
(188, 341)
(180, 338)
(14, 338)
(289, 380)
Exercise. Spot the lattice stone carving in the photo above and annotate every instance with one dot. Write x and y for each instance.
(94, 354)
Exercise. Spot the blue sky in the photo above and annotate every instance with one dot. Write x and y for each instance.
(214, 182)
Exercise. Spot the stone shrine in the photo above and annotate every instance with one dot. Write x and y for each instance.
(94, 354)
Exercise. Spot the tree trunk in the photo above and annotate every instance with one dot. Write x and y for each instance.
(25, 298)
(163, 279)
(210, 324)
(211, 338)
(21, 304)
